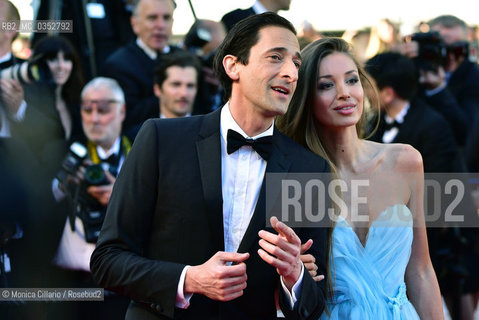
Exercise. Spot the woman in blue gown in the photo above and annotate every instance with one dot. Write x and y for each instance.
(379, 260)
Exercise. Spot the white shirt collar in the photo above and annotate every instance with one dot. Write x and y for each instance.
(150, 52)
(6, 57)
(115, 149)
(399, 117)
(164, 117)
(228, 122)
(258, 7)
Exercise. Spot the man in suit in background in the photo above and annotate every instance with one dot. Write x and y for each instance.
(184, 233)
(260, 6)
(132, 65)
(102, 114)
(177, 76)
(408, 119)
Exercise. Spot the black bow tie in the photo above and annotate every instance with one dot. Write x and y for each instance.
(389, 126)
(261, 145)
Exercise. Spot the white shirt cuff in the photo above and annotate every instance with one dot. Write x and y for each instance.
(20, 114)
(293, 297)
(182, 300)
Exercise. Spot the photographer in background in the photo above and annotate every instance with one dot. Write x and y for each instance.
(462, 81)
(451, 85)
(87, 180)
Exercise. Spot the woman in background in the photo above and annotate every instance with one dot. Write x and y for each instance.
(53, 102)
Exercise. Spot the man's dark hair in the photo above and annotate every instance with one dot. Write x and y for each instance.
(179, 58)
(240, 39)
(392, 69)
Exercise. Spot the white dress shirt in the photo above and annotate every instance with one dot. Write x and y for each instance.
(242, 174)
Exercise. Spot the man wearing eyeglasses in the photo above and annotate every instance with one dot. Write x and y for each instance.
(89, 189)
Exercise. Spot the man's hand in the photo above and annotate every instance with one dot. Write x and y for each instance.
(216, 279)
(282, 251)
(310, 262)
(102, 193)
(433, 79)
(12, 95)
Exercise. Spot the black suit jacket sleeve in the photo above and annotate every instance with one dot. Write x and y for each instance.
(118, 262)
(437, 145)
(446, 104)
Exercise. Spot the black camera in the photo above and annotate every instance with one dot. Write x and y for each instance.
(95, 175)
(87, 208)
(432, 50)
(25, 72)
(91, 212)
(196, 37)
(72, 162)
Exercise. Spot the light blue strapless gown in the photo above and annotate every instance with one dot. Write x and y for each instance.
(368, 280)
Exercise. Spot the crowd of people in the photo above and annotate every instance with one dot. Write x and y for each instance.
(139, 165)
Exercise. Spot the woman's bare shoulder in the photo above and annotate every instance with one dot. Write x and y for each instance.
(399, 157)
(408, 157)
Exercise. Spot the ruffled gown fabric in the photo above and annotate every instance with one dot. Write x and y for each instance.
(368, 280)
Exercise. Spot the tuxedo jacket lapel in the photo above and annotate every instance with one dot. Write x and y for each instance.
(279, 164)
(209, 157)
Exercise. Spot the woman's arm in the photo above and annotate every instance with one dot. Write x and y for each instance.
(421, 281)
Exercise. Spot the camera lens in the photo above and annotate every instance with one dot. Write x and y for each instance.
(94, 175)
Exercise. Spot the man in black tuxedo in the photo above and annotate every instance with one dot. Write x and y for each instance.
(408, 119)
(184, 235)
(133, 65)
(260, 6)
